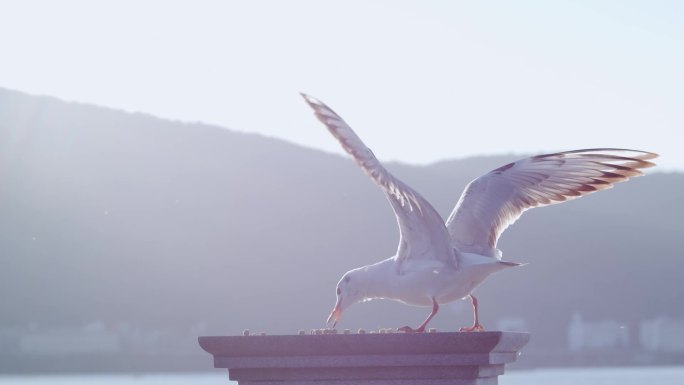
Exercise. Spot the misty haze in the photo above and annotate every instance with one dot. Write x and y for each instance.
(123, 237)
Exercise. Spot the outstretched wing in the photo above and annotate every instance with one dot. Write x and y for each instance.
(422, 230)
(496, 200)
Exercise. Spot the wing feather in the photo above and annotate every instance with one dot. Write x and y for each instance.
(422, 229)
(496, 200)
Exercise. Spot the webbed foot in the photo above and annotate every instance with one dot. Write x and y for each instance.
(474, 328)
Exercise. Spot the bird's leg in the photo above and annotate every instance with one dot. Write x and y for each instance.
(421, 328)
(477, 327)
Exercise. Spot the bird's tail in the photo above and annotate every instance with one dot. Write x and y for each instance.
(512, 264)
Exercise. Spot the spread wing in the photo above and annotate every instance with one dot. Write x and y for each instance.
(496, 200)
(422, 230)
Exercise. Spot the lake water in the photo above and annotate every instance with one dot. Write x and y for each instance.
(597, 376)
(593, 376)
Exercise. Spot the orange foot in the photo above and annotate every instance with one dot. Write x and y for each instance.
(474, 328)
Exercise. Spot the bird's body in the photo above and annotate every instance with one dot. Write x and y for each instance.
(441, 261)
(417, 282)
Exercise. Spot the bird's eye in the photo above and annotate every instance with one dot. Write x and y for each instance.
(347, 279)
(339, 291)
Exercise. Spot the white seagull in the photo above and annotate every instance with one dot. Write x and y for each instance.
(438, 262)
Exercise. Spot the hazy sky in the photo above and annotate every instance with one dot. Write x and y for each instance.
(420, 81)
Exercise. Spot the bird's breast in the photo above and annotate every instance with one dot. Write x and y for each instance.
(419, 286)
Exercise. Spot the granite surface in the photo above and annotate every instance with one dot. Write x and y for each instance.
(392, 358)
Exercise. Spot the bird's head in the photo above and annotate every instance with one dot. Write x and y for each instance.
(348, 293)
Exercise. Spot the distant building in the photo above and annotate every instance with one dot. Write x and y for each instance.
(607, 334)
(93, 338)
(662, 334)
(512, 324)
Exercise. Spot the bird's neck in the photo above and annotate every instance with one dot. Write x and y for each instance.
(376, 279)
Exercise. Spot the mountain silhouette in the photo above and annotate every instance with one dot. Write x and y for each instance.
(127, 219)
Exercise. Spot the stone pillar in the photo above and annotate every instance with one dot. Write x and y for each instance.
(369, 359)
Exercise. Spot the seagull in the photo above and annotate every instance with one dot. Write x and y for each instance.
(439, 262)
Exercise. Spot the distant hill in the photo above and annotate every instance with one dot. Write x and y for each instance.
(137, 222)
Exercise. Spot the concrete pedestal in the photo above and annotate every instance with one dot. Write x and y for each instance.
(369, 359)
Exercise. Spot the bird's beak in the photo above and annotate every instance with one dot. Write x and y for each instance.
(336, 313)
